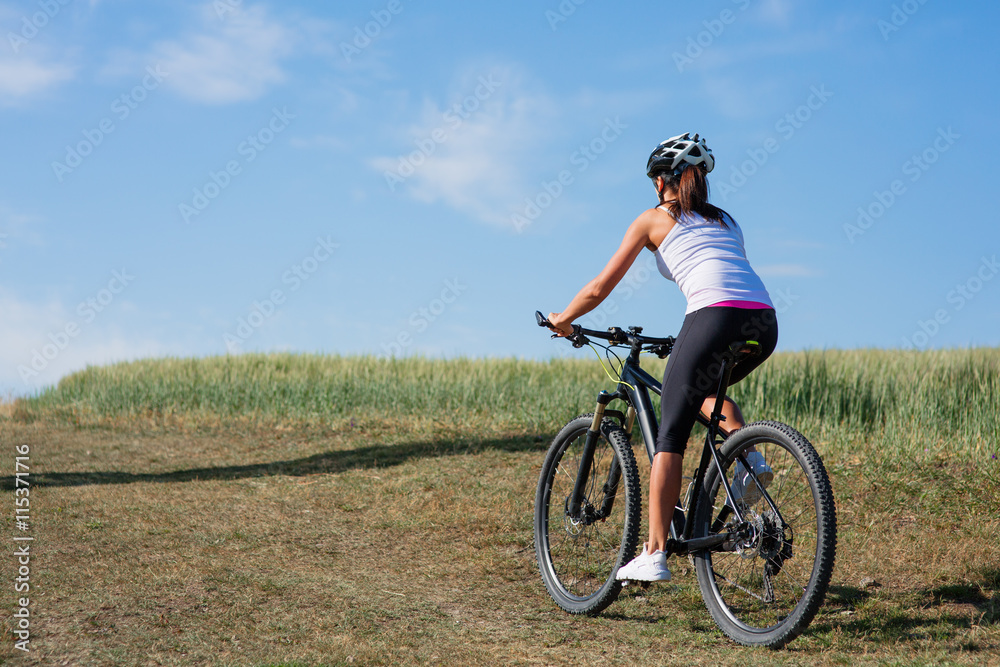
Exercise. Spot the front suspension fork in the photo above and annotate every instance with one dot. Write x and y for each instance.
(587, 457)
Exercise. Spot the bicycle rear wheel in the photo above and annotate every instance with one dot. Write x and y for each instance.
(767, 588)
(579, 555)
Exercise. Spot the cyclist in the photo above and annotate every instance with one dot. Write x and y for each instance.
(700, 247)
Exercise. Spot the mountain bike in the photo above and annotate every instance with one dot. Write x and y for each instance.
(763, 566)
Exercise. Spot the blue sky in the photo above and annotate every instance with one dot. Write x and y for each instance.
(396, 177)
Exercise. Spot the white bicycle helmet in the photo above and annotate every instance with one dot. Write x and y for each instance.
(674, 154)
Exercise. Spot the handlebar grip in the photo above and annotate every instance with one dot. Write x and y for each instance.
(577, 337)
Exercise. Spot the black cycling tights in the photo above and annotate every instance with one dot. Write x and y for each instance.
(692, 372)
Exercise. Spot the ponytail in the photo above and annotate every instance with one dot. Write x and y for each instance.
(691, 186)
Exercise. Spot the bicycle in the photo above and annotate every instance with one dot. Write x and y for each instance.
(763, 567)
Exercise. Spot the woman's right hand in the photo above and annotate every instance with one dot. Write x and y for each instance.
(561, 327)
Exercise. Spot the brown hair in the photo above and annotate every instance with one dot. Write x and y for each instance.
(691, 186)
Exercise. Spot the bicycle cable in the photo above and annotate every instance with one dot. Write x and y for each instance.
(608, 353)
(610, 376)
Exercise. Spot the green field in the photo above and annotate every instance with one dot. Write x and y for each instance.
(943, 403)
(306, 509)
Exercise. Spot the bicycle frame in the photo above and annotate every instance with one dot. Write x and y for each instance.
(633, 388)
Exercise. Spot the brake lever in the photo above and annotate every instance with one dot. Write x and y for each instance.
(662, 350)
(577, 338)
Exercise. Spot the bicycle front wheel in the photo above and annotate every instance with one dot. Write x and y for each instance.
(764, 588)
(580, 553)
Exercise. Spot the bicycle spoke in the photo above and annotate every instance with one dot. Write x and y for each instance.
(779, 500)
(801, 512)
(737, 586)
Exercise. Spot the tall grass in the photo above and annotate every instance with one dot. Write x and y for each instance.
(941, 402)
(311, 387)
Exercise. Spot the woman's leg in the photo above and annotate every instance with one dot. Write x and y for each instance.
(688, 379)
(665, 477)
(664, 491)
(685, 384)
(734, 417)
(731, 411)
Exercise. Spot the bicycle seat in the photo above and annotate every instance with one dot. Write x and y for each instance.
(744, 349)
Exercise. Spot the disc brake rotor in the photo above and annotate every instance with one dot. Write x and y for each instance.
(750, 547)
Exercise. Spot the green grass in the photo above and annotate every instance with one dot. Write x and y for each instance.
(944, 403)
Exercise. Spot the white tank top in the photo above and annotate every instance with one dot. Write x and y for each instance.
(709, 263)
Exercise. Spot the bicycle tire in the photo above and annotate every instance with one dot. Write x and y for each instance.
(578, 560)
(767, 592)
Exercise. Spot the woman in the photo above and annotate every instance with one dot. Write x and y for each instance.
(700, 247)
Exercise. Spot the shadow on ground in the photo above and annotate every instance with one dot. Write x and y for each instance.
(942, 611)
(936, 616)
(374, 456)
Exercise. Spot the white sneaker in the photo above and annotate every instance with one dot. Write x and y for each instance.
(646, 567)
(745, 489)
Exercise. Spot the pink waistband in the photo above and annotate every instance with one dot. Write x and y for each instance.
(749, 305)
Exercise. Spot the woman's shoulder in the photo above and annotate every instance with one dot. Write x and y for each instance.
(655, 223)
(655, 215)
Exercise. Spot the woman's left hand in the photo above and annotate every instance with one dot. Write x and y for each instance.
(559, 326)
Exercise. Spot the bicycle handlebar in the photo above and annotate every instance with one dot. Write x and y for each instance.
(614, 335)
(661, 347)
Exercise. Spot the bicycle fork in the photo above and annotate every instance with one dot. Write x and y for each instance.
(587, 462)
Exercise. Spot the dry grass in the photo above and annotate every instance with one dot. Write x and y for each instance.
(409, 542)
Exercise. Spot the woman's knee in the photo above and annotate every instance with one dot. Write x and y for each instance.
(666, 443)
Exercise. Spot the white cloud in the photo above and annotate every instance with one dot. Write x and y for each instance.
(23, 77)
(37, 349)
(776, 12)
(17, 228)
(232, 58)
(28, 68)
(470, 153)
(500, 138)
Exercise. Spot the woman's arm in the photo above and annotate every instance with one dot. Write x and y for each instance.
(636, 238)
